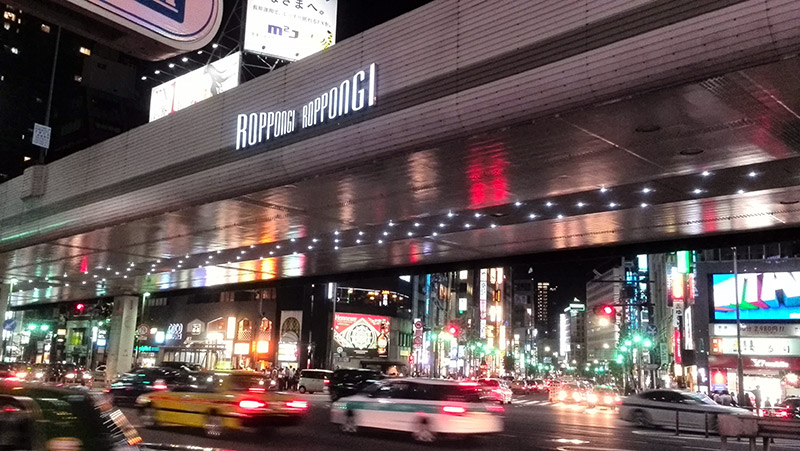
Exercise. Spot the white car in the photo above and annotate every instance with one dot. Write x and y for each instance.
(654, 408)
(425, 408)
(496, 389)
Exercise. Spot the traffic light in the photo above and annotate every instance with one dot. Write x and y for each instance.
(605, 310)
(453, 330)
(80, 308)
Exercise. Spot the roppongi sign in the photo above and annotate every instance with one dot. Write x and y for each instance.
(350, 95)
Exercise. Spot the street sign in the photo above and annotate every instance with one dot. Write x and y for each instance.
(417, 341)
(143, 329)
(651, 330)
(418, 325)
(41, 135)
(10, 325)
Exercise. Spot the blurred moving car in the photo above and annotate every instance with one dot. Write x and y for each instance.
(13, 372)
(349, 381)
(789, 408)
(313, 381)
(537, 386)
(425, 408)
(572, 393)
(221, 402)
(603, 396)
(37, 417)
(519, 387)
(74, 375)
(657, 408)
(130, 386)
(496, 389)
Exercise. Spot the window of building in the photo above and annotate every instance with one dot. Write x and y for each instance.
(245, 330)
(45, 28)
(227, 296)
(85, 51)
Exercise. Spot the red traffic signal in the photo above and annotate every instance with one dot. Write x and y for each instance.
(79, 308)
(607, 310)
(453, 330)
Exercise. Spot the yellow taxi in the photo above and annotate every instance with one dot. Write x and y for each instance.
(221, 402)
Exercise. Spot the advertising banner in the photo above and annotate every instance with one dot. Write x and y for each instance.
(362, 335)
(767, 296)
(290, 333)
(195, 86)
(756, 346)
(290, 30)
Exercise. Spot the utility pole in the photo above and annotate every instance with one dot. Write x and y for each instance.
(739, 364)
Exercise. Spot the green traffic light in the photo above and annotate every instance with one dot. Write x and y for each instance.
(44, 327)
(32, 326)
(637, 338)
(628, 343)
(623, 348)
(647, 343)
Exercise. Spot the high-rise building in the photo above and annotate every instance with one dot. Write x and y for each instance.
(602, 331)
(541, 321)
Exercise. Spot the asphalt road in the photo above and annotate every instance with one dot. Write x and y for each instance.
(531, 424)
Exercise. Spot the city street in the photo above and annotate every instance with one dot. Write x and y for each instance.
(532, 423)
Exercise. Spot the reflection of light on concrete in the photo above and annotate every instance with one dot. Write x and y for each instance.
(423, 170)
(571, 441)
(293, 265)
(346, 195)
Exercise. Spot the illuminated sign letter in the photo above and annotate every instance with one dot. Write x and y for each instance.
(241, 131)
(358, 93)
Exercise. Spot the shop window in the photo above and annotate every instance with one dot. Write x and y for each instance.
(265, 330)
(245, 330)
(76, 339)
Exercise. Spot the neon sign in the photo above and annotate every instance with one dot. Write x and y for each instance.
(350, 95)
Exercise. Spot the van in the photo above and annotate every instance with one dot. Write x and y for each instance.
(314, 380)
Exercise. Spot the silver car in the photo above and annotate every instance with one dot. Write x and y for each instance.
(657, 408)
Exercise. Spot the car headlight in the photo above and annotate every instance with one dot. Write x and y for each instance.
(591, 397)
(39, 375)
(70, 376)
(22, 375)
(562, 395)
(87, 376)
(608, 400)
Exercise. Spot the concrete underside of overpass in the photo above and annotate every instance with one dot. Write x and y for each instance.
(687, 125)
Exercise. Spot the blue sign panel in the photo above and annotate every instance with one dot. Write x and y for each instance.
(174, 9)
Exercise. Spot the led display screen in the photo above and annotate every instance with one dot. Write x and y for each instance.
(766, 296)
(361, 335)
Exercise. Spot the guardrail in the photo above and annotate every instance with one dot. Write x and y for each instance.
(754, 427)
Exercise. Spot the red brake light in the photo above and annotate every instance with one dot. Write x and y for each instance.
(257, 390)
(297, 404)
(468, 384)
(159, 385)
(250, 404)
(327, 381)
(456, 410)
(782, 413)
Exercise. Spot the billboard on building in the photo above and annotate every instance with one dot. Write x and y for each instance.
(763, 296)
(361, 335)
(196, 86)
(289, 30)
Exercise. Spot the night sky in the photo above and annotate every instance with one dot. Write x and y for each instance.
(356, 16)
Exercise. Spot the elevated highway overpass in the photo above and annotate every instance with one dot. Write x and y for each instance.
(496, 128)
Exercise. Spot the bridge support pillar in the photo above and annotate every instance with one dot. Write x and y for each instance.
(121, 336)
(5, 293)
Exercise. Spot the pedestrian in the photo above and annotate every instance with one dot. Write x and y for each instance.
(295, 379)
(757, 396)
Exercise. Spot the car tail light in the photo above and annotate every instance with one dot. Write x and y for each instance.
(106, 390)
(297, 405)
(781, 413)
(257, 390)
(468, 384)
(326, 382)
(11, 379)
(454, 410)
(250, 404)
(159, 385)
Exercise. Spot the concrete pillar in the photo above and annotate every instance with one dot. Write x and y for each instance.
(5, 292)
(119, 358)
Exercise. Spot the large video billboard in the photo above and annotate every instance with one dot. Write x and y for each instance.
(195, 86)
(289, 30)
(764, 296)
(361, 335)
